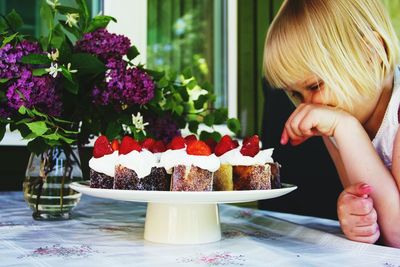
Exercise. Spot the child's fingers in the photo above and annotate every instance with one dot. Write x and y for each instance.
(370, 239)
(359, 189)
(284, 137)
(364, 231)
(355, 205)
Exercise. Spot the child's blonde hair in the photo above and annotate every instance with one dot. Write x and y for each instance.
(350, 44)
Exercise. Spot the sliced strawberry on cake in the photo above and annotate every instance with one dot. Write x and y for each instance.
(102, 164)
(192, 167)
(138, 167)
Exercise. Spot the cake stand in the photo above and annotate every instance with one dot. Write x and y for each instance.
(182, 217)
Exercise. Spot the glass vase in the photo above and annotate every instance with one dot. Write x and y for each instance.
(46, 185)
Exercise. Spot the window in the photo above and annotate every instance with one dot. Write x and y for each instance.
(176, 34)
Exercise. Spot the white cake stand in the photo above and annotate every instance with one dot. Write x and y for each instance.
(182, 217)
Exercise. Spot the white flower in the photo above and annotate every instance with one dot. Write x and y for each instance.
(53, 4)
(72, 19)
(138, 122)
(53, 55)
(69, 69)
(53, 70)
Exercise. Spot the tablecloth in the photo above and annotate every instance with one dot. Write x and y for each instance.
(104, 232)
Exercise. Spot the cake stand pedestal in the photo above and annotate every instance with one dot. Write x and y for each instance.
(176, 223)
(182, 217)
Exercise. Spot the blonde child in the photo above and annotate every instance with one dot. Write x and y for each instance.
(337, 61)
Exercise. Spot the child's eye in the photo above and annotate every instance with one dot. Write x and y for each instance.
(316, 86)
(297, 95)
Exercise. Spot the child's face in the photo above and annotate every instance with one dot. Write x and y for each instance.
(311, 90)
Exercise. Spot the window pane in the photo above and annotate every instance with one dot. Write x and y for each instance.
(189, 33)
(393, 7)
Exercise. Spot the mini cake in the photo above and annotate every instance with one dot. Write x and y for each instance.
(138, 169)
(102, 164)
(191, 163)
(246, 167)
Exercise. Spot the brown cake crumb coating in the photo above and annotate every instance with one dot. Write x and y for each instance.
(100, 180)
(276, 177)
(127, 179)
(194, 179)
(256, 177)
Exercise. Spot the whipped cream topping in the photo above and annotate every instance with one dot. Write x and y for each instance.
(172, 158)
(140, 162)
(235, 158)
(105, 164)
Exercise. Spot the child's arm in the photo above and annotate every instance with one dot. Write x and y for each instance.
(396, 159)
(360, 160)
(356, 214)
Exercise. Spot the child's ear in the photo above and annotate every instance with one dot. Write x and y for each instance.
(373, 54)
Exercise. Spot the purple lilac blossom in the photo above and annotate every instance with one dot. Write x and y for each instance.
(31, 91)
(162, 127)
(104, 44)
(10, 56)
(124, 86)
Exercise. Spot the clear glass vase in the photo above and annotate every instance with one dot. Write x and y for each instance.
(46, 185)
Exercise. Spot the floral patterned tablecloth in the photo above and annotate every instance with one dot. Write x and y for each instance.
(109, 233)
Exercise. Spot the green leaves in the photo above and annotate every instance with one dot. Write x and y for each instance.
(133, 52)
(35, 59)
(2, 130)
(100, 22)
(38, 127)
(233, 125)
(87, 64)
(14, 20)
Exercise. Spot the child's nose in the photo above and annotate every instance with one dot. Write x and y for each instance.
(312, 98)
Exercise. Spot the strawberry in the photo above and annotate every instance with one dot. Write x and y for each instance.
(148, 143)
(115, 144)
(158, 147)
(129, 144)
(177, 143)
(211, 143)
(251, 146)
(102, 147)
(225, 144)
(198, 148)
(190, 138)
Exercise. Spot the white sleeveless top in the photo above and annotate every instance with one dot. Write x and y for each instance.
(384, 139)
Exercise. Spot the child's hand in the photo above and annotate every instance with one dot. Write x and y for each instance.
(309, 120)
(357, 215)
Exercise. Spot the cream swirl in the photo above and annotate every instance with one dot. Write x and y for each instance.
(105, 164)
(141, 162)
(235, 158)
(172, 158)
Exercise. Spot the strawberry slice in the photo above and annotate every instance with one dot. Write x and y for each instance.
(129, 144)
(251, 146)
(225, 144)
(148, 143)
(115, 144)
(158, 147)
(177, 143)
(102, 147)
(198, 148)
(190, 138)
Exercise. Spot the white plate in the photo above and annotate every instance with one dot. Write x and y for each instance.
(183, 197)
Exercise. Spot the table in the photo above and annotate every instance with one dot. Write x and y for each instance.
(108, 233)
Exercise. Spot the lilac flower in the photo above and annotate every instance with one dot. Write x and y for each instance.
(10, 57)
(104, 44)
(124, 86)
(38, 92)
(162, 127)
